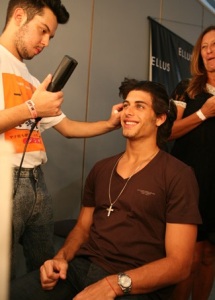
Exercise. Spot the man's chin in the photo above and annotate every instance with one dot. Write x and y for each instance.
(127, 135)
(28, 57)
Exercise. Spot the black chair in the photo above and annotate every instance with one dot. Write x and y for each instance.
(63, 227)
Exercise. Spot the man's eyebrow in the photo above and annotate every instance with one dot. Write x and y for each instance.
(136, 101)
(48, 29)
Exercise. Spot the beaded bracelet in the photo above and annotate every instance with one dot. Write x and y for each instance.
(31, 106)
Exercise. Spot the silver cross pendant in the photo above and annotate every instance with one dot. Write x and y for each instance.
(110, 210)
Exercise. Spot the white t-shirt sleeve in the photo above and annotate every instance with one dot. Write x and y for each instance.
(49, 122)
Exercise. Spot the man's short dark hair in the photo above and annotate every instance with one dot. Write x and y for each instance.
(35, 7)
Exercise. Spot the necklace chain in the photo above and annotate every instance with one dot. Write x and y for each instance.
(110, 208)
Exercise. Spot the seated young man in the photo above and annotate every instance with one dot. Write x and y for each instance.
(136, 232)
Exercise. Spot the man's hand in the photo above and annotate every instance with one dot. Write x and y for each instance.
(51, 271)
(47, 104)
(115, 118)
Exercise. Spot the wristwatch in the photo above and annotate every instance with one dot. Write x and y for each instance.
(124, 281)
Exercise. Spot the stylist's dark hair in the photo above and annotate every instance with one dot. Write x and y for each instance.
(160, 104)
(35, 7)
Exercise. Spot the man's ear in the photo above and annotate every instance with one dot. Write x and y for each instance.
(160, 119)
(20, 16)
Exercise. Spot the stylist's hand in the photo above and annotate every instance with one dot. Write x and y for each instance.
(47, 104)
(51, 271)
(115, 118)
(208, 108)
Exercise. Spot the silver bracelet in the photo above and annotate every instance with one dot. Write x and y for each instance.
(201, 115)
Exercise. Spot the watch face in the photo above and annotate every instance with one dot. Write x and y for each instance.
(125, 281)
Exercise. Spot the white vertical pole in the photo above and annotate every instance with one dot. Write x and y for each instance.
(6, 152)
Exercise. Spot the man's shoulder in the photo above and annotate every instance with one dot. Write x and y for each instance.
(172, 162)
(176, 172)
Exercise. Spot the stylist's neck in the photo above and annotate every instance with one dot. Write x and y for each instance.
(10, 47)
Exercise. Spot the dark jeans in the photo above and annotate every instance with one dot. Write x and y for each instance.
(81, 273)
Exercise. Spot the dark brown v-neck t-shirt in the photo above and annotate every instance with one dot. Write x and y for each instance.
(164, 191)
